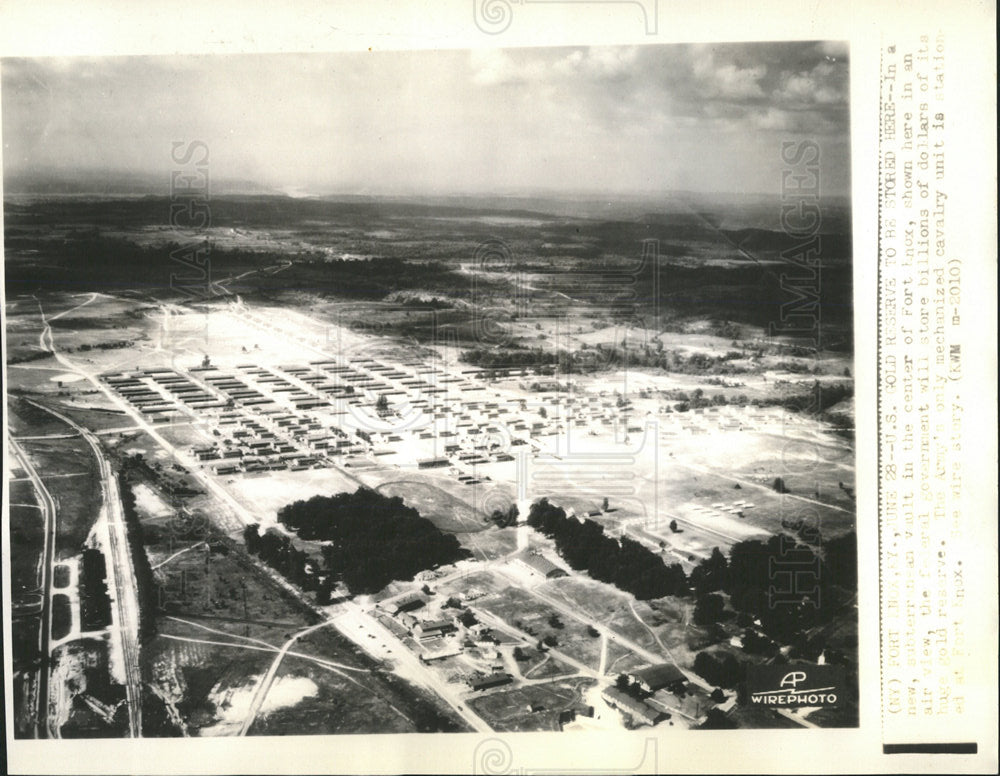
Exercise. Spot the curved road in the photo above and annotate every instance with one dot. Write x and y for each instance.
(123, 576)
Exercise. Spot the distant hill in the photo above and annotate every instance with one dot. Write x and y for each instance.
(109, 184)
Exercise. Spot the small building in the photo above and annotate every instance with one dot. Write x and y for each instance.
(408, 621)
(658, 677)
(566, 717)
(486, 639)
(407, 603)
(492, 680)
(451, 650)
(663, 700)
(434, 628)
(432, 463)
(538, 564)
(637, 709)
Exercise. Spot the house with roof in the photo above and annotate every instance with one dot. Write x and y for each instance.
(405, 603)
(432, 629)
(492, 680)
(639, 710)
(538, 564)
(658, 677)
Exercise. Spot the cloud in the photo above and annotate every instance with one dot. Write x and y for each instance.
(568, 117)
(727, 80)
(824, 84)
(498, 67)
(502, 67)
(599, 62)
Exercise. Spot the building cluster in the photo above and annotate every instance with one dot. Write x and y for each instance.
(314, 415)
(648, 694)
(447, 633)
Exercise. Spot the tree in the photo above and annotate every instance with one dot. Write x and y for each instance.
(709, 609)
(604, 504)
(251, 538)
(718, 695)
(323, 593)
(717, 720)
(467, 618)
(673, 526)
(779, 485)
(382, 403)
(711, 574)
(720, 668)
(755, 644)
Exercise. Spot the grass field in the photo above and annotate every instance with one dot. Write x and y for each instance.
(490, 544)
(548, 667)
(70, 474)
(94, 412)
(608, 606)
(27, 537)
(25, 419)
(266, 495)
(525, 612)
(227, 598)
(441, 508)
(621, 660)
(342, 702)
(227, 593)
(62, 616)
(510, 710)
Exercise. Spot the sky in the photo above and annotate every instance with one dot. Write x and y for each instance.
(603, 120)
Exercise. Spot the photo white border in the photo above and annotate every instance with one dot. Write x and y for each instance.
(113, 28)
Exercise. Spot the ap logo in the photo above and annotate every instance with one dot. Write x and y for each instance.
(797, 686)
(793, 679)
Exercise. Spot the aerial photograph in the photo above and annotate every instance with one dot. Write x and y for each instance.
(444, 391)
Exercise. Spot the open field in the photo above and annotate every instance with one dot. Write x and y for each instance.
(27, 533)
(442, 509)
(511, 711)
(68, 469)
(337, 702)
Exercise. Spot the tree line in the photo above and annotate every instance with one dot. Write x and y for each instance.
(625, 563)
(278, 552)
(759, 588)
(751, 577)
